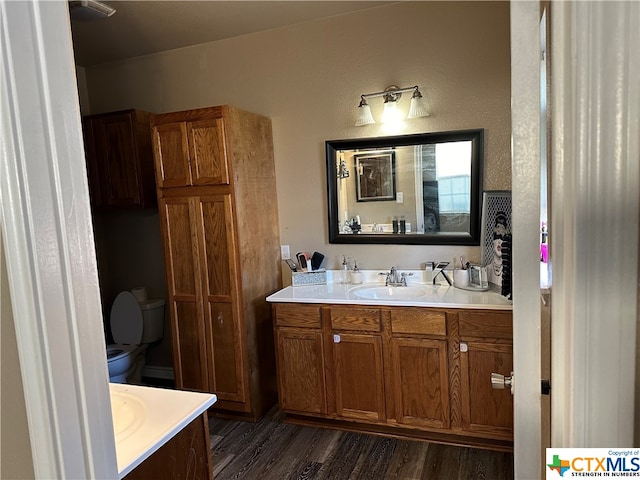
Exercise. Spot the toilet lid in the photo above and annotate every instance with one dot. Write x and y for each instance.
(126, 319)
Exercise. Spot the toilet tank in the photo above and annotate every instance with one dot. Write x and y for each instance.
(153, 319)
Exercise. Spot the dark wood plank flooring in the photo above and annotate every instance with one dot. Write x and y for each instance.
(274, 450)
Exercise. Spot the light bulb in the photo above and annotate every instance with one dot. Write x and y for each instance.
(391, 114)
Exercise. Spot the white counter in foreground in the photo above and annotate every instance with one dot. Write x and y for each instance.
(145, 418)
(437, 296)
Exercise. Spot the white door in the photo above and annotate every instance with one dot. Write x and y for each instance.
(595, 177)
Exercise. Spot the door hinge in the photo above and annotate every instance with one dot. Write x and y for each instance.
(546, 386)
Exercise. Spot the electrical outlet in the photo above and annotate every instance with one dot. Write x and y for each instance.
(399, 197)
(284, 252)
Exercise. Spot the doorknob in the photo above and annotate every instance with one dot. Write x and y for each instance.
(500, 382)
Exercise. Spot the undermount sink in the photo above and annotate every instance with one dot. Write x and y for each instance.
(391, 293)
(128, 413)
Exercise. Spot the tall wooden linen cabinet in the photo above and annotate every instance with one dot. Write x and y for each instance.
(216, 188)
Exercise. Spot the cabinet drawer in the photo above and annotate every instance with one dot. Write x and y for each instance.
(360, 319)
(298, 315)
(418, 321)
(486, 324)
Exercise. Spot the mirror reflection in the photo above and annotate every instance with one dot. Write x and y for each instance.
(411, 189)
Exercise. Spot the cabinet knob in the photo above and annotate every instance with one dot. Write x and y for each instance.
(336, 338)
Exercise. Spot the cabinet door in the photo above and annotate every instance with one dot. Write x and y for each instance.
(182, 264)
(225, 333)
(485, 410)
(186, 455)
(93, 161)
(358, 376)
(207, 151)
(421, 382)
(117, 156)
(301, 382)
(171, 153)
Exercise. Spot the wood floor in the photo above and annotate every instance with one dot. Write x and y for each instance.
(273, 450)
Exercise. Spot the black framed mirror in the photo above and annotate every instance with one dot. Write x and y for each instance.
(419, 189)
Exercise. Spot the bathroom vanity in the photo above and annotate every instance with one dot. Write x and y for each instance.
(414, 363)
(160, 433)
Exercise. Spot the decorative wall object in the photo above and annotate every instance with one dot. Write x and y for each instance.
(496, 229)
(376, 176)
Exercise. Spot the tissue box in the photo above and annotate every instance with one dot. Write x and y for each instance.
(309, 278)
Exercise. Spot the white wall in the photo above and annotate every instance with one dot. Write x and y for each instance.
(308, 78)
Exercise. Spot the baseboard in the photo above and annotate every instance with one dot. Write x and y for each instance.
(151, 371)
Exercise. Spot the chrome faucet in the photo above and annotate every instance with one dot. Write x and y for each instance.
(438, 268)
(395, 278)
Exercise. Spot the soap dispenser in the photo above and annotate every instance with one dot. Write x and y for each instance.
(345, 270)
(356, 274)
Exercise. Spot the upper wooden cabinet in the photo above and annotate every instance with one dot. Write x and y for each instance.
(191, 152)
(120, 159)
(222, 252)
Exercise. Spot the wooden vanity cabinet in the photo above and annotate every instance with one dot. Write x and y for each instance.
(486, 346)
(221, 245)
(408, 371)
(119, 159)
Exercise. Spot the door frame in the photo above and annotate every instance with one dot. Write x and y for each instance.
(49, 247)
(526, 129)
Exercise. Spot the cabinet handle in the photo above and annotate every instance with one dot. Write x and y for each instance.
(464, 347)
(336, 338)
(502, 382)
(220, 319)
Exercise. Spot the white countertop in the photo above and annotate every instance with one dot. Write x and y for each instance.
(442, 296)
(145, 418)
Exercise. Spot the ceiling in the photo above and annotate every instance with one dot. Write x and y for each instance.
(144, 27)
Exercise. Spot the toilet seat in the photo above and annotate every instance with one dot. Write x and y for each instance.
(126, 320)
(116, 351)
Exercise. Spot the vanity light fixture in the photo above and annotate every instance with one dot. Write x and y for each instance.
(391, 95)
(343, 171)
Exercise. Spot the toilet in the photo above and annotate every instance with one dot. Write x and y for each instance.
(134, 325)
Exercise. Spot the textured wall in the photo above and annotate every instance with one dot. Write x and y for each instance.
(308, 79)
(15, 455)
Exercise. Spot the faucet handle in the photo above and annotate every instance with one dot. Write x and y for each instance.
(403, 277)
